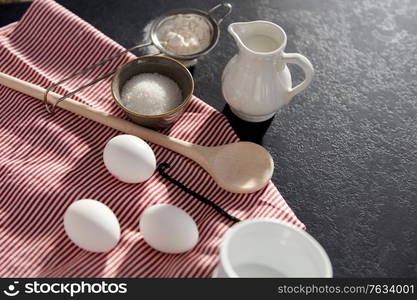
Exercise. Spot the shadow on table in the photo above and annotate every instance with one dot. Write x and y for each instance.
(247, 131)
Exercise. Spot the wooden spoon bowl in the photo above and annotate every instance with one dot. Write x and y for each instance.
(241, 167)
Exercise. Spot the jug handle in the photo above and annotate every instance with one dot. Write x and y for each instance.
(305, 65)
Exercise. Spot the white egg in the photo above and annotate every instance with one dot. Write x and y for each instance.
(129, 158)
(168, 229)
(91, 225)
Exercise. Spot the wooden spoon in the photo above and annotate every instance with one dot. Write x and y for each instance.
(241, 167)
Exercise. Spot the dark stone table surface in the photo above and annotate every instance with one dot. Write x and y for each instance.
(345, 150)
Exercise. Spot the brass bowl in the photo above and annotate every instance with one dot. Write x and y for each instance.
(154, 64)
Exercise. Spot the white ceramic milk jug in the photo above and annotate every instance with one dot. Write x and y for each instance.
(256, 82)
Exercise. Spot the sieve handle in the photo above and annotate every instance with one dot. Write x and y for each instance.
(50, 108)
(228, 8)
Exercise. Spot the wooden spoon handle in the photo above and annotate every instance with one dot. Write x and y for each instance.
(185, 148)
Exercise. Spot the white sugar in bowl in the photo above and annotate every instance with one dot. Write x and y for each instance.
(91, 225)
(168, 229)
(129, 158)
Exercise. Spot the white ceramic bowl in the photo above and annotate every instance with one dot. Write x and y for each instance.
(269, 248)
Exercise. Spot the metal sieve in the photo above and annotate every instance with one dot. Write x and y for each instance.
(207, 16)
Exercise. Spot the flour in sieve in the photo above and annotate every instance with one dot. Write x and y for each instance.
(185, 34)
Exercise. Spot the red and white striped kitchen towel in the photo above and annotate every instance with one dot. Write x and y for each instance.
(47, 162)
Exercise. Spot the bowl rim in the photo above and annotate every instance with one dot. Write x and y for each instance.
(170, 112)
(224, 247)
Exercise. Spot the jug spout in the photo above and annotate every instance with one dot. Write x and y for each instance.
(258, 37)
(236, 30)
